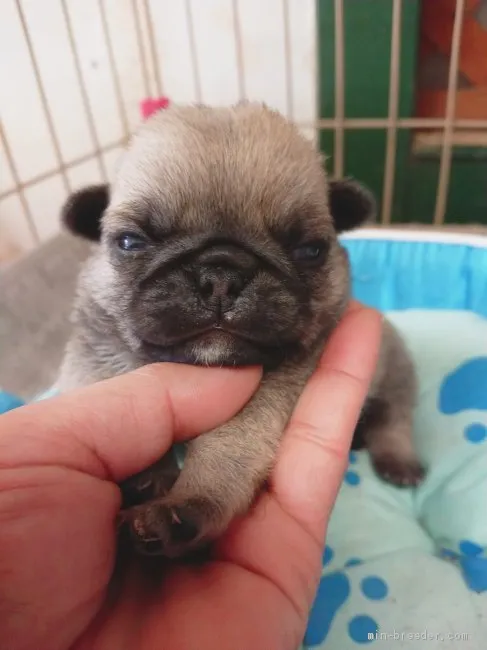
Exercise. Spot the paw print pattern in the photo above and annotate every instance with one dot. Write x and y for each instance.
(473, 564)
(475, 433)
(352, 477)
(465, 389)
(333, 592)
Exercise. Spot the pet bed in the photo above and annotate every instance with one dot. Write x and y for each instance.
(407, 568)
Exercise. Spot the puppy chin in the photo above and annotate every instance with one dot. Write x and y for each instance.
(216, 348)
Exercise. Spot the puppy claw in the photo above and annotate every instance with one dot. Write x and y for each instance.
(399, 472)
(172, 531)
(175, 517)
(150, 484)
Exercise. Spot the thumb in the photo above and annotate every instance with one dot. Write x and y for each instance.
(119, 427)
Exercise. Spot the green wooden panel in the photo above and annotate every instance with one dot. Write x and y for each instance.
(367, 25)
(467, 197)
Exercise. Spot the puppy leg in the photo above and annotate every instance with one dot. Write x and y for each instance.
(223, 471)
(386, 430)
(387, 418)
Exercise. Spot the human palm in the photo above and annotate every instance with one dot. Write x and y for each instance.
(60, 462)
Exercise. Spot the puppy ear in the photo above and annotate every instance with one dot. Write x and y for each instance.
(82, 212)
(351, 204)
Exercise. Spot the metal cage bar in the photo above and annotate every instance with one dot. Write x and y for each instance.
(237, 35)
(19, 188)
(117, 86)
(39, 178)
(152, 47)
(447, 147)
(287, 60)
(84, 94)
(152, 81)
(193, 52)
(405, 123)
(391, 145)
(339, 126)
(43, 99)
(140, 46)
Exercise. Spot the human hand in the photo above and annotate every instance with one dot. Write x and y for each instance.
(60, 460)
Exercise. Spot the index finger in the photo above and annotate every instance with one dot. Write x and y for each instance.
(315, 448)
(118, 427)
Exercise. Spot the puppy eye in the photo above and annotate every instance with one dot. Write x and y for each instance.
(131, 242)
(311, 252)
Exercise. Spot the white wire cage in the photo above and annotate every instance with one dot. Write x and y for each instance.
(73, 73)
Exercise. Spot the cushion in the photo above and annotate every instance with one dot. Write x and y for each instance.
(405, 561)
(407, 568)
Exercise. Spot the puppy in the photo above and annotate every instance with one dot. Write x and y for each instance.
(218, 246)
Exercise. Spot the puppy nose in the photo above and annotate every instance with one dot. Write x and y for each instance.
(219, 287)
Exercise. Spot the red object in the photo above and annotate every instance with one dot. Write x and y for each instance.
(151, 105)
(435, 39)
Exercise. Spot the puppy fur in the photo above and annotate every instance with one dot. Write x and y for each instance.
(236, 261)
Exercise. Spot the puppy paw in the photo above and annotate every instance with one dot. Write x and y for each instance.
(172, 529)
(138, 489)
(153, 483)
(398, 471)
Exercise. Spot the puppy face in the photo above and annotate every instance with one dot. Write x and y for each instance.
(218, 240)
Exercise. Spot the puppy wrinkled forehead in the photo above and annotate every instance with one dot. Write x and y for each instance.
(245, 160)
